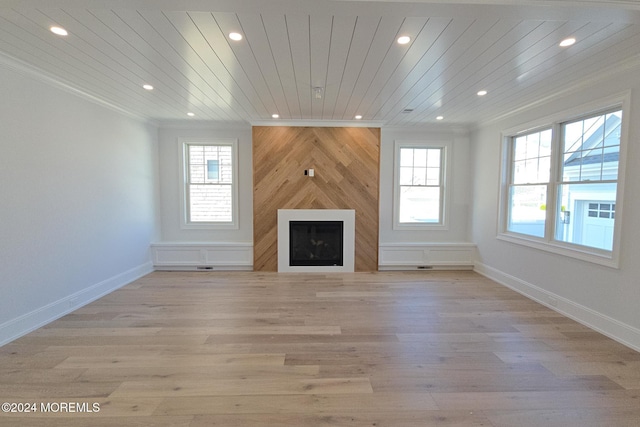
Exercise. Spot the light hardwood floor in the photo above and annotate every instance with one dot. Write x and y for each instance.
(366, 349)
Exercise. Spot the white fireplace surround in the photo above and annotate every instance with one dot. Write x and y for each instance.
(348, 218)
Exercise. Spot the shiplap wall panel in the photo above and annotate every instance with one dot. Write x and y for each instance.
(347, 168)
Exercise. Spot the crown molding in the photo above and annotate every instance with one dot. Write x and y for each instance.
(187, 124)
(448, 128)
(583, 85)
(319, 123)
(28, 70)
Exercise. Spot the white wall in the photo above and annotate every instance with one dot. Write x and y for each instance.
(78, 195)
(459, 187)
(170, 181)
(607, 299)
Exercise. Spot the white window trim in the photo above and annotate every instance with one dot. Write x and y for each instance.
(446, 147)
(184, 211)
(548, 243)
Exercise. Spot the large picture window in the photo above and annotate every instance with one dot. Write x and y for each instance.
(420, 185)
(562, 183)
(209, 187)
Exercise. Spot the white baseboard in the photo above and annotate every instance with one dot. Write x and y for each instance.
(203, 268)
(421, 256)
(612, 328)
(35, 319)
(202, 256)
(452, 267)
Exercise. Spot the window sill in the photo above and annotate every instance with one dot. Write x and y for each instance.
(571, 251)
(209, 226)
(420, 226)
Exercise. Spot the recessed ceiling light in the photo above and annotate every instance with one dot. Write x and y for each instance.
(235, 36)
(482, 93)
(59, 31)
(190, 114)
(275, 116)
(567, 42)
(358, 117)
(440, 118)
(404, 39)
(147, 87)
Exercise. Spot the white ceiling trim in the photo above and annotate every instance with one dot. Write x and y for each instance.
(583, 85)
(319, 123)
(29, 70)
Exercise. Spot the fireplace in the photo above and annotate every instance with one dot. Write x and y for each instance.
(316, 240)
(315, 243)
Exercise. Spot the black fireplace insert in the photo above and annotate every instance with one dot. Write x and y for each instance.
(315, 243)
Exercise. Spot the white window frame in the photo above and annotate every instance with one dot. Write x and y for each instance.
(548, 242)
(185, 223)
(508, 142)
(445, 172)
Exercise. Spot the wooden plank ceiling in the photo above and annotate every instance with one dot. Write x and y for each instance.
(347, 48)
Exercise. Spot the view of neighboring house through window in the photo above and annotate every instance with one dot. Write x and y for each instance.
(562, 181)
(587, 191)
(420, 184)
(209, 182)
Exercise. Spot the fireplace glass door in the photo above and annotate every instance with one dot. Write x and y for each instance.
(315, 243)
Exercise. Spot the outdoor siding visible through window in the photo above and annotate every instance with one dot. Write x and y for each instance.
(209, 192)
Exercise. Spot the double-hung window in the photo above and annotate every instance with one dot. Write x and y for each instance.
(561, 186)
(420, 176)
(529, 183)
(587, 187)
(209, 183)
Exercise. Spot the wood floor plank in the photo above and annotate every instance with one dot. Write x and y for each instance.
(44, 391)
(103, 350)
(97, 420)
(171, 360)
(297, 404)
(582, 417)
(627, 374)
(477, 382)
(80, 332)
(40, 376)
(568, 356)
(397, 349)
(355, 418)
(528, 400)
(90, 340)
(254, 330)
(185, 373)
(224, 387)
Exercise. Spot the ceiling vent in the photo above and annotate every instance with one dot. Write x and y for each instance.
(407, 110)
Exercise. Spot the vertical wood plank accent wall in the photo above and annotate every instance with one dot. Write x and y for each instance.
(346, 162)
